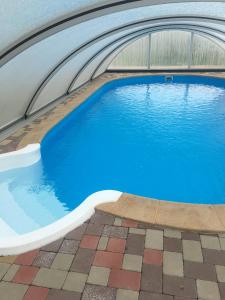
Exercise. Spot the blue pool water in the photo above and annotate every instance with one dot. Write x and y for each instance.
(141, 135)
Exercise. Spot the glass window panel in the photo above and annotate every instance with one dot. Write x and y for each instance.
(170, 49)
(207, 53)
(133, 56)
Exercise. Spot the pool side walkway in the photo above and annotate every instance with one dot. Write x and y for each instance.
(110, 258)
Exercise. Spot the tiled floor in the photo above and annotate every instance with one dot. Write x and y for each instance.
(110, 258)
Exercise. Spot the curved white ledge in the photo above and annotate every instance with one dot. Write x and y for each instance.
(20, 158)
(22, 243)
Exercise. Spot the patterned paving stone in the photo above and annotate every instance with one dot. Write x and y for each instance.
(108, 259)
(98, 293)
(44, 259)
(171, 233)
(154, 239)
(103, 242)
(199, 271)
(75, 282)
(50, 278)
(124, 279)
(151, 279)
(11, 272)
(126, 294)
(132, 262)
(12, 291)
(220, 271)
(36, 293)
(208, 290)
(116, 245)
(99, 276)
(210, 242)
(192, 251)
(62, 261)
(153, 296)
(173, 264)
(89, 241)
(178, 286)
(3, 269)
(69, 246)
(63, 295)
(83, 260)
(53, 247)
(115, 231)
(153, 257)
(172, 244)
(77, 233)
(135, 244)
(25, 275)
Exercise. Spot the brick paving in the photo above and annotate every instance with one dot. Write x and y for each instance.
(109, 258)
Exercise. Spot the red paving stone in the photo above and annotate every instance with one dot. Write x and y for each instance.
(25, 274)
(116, 245)
(123, 279)
(26, 259)
(129, 223)
(89, 241)
(108, 259)
(153, 257)
(36, 293)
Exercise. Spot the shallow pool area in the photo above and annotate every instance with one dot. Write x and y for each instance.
(143, 135)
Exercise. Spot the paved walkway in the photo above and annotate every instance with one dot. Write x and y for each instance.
(112, 258)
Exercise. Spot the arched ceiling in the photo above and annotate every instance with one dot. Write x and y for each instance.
(57, 45)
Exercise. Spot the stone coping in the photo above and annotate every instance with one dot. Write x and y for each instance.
(195, 217)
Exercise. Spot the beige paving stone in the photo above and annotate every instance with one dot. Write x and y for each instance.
(7, 259)
(210, 242)
(12, 291)
(3, 269)
(11, 272)
(220, 271)
(222, 243)
(173, 264)
(208, 290)
(132, 262)
(154, 239)
(62, 261)
(137, 231)
(172, 233)
(50, 278)
(99, 276)
(192, 251)
(126, 295)
(118, 221)
(75, 282)
(102, 244)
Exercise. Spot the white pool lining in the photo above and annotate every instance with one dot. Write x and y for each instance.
(17, 244)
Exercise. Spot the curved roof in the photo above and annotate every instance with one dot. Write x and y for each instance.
(49, 48)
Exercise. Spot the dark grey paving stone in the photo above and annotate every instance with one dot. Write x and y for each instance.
(216, 257)
(187, 235)
(53, 247)
(83, 260)
(63, 295)
(102, 218)
(135, 244)
(151, 296)
(95, 292)
(115, 231)
(179, 286)
(151, 278)
(77, 233)
(199, 271)
(172, 244)
(94, 229)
